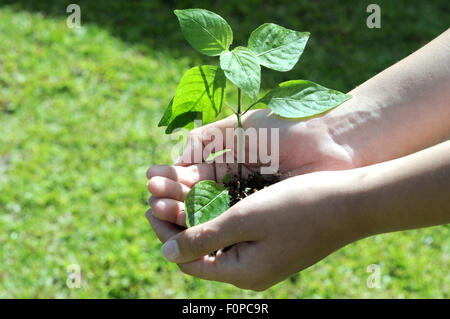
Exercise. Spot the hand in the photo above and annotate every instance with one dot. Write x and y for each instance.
(305, 146)
(274, 233)
(379, 123)
(372, 127)
(292, 224)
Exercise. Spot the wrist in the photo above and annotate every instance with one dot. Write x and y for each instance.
(352, 214)
(333, 206)
(365, 200)
(405, 193)
(352, 126)
(349, 206)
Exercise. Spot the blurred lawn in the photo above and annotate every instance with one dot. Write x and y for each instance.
(78, 115)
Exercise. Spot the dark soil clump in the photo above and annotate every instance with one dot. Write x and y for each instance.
(239, 190)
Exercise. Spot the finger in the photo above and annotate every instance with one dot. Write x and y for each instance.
(163, 170)
(198, 138)
(231, 266)
(188, 175)
(195, 242)
(162, 229)
(169, 210)
(193, 150)
(152, 199)
(228, 122)
(163, 187)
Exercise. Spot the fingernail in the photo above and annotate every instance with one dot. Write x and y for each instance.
(170, 250)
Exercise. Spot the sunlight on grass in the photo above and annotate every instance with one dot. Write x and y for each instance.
(78, 129)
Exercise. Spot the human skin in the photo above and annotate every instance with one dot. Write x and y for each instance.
(398, 112)
(316, 214)
(402, 110)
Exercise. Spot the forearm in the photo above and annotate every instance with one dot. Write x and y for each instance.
(401, 194)
(402, 110)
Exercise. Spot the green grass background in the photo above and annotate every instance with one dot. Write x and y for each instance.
(78, 115)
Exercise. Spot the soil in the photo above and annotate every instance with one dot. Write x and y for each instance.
(238, 190)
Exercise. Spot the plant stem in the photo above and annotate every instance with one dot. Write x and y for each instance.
(252, 105)
(239, 150)
(231, 108)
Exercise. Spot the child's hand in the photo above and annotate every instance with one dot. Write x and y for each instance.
(304, 147)
(292, 224)
(273, 233)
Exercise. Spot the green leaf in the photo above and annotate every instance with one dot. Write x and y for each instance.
(276, 47)
(205, 201)
(205, 31)
(214, 155)
(226, 178)
(199, 95)
(167, 115)
(242, 68)
(300, 98)
(185, 120)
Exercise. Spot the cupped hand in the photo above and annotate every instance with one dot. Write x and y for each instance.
(304, 146)
(273, 233)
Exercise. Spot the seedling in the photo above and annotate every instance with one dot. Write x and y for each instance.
(200, 95)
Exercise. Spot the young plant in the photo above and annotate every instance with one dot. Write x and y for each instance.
(200, 95)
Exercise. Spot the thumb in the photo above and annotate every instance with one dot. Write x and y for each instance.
(198, 241)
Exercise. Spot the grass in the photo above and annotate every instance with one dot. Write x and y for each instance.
(78, 115)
